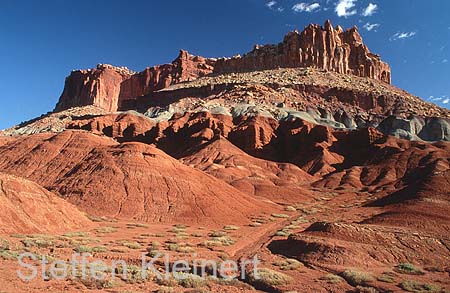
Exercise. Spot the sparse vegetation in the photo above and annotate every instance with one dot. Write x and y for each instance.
(357, 278)
(267, 278)
(217, 234)
(290, 209)
(414, 286)
(137, 225)
(409, 269)
(387, 277)
(106, 230)
(288, 264)
(187, 280)
(76, 234)
(280, 216)
(89, 249)
(255, 224)
(331, 279)
(231, 228)
(283, 233)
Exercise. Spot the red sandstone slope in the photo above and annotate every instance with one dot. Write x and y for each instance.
(280, 182)
(130, 180)
(29, 208)
(409, 186)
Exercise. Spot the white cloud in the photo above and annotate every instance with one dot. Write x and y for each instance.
(441, 100)
(271, 4)
(304, 7)
(402, 35)
(370, 9)
(345, 8)
(435, 99)
(445, 61)
(371, 26)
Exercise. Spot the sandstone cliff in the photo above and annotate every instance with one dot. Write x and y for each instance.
(325, 48)
(320, 47)
(108, 86)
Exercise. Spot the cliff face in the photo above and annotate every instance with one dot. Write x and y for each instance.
(325, 48)
(99, 87)
(108, 86)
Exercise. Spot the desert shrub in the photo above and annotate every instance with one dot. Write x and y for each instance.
(217, 234)
(119, 250)
(266, 278)
(132, 245)
(89, 249)
(218, 241)
(8, 254)
(153, 252)
(137, 225)
(76, 234)
(331, 278)
(106, 230)
(38, 242)
(255, 224)
(4, 244)
(357, 278)
(362, 289)
(407, 268)
(414, 286)
(187, 280)
(231, 228)
(288, 264)
(167, 281)
(290, 209)
(165, 289)
(181, 247)
(283, 233)
(387, 277)
(280, 216)
(95, 283)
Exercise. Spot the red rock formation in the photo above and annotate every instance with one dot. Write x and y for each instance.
(29, 208)
(321, 47)
(130, 180)
(325, 48)
(99, 87)
(108, 86)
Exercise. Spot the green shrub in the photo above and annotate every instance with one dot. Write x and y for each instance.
(387, 277)
(76, 234)
(409, 269)
(217, 234)
(90, 249)
(288, 264)
(281, 216)
(267, 278)
(187, 280)
(331, 278)
(414, 286)
(231, 228)
(106, 230)
(357, 278)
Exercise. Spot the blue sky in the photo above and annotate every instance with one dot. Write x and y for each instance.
(42, 41)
